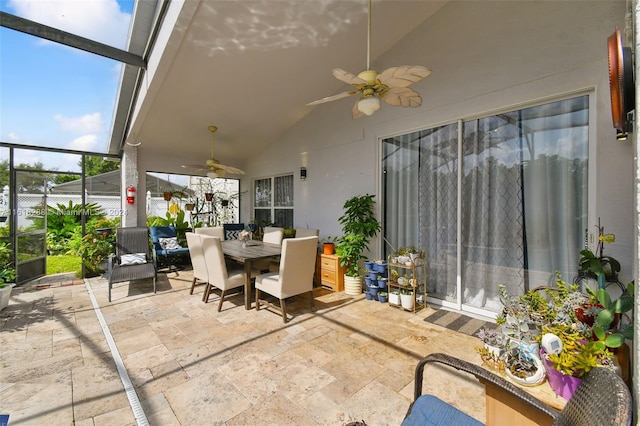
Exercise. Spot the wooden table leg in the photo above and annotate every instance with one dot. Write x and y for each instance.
(247, 285)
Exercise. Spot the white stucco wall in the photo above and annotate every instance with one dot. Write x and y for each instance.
(485, 57)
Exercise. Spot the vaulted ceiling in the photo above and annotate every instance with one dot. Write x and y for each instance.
(250, 68)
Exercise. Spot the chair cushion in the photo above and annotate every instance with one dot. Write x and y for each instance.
(170, 243)
(133, 259)
(270, 283)
(232, 230)
(429, 410)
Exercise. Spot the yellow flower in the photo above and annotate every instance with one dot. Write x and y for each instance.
(174, 208)
(607, 238)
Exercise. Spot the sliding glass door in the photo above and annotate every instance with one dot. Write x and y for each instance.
(494, 200)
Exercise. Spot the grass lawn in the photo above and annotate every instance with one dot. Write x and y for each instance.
(63, 263)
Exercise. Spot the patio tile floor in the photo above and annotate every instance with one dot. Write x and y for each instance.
(350, 360)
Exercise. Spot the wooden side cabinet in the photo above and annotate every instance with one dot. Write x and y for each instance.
(329, 273)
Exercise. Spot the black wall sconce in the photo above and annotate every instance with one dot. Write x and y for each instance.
(303, 173)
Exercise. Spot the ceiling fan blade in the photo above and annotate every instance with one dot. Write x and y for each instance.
(402, 96)
(332, 98)
(355, 112)
(196, 167)
(347, 77)
(230, 169)
(403, 76)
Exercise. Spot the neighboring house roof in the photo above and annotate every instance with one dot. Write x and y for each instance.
(109, 184)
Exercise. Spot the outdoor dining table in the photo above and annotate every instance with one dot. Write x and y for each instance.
(246, 254)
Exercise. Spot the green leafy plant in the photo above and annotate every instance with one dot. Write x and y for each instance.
(7, 275)
(359, 226)
(597, 265)
(64, 219)
(605, 324)
(97, 245)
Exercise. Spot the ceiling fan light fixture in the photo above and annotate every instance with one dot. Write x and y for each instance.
(369, 104)
(212, 175)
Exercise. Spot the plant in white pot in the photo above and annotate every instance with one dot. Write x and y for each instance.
(406, 298)
(359, 226)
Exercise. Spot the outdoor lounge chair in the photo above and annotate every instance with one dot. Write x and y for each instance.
(166, 246)
(602, 398)
(132, 260)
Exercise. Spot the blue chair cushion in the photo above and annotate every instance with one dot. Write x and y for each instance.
(158, 232)
(430, 410)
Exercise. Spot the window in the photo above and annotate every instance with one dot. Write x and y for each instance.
(505, 203)
(273, 201)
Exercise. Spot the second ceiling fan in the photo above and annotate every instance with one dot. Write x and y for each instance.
(216, 170)
(392, 84)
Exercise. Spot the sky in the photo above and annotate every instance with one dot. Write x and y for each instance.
(55, 96)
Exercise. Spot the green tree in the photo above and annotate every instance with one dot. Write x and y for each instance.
(33, 182)
(4, 173)
(94, 165)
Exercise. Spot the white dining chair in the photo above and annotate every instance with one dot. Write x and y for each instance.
(198, 263)
(295, 276)
(273, 235)
(212, 231)
(307, 232)
(218, 275)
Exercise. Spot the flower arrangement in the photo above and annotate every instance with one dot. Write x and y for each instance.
(597, 265)
(244, 235)
(557, 319)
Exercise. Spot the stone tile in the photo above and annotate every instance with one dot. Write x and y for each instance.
(299, 381)
(207, 399)
(97, 390)
(122, 416)
(272, 409)
(38, 404)
(193, 365)
(377, 404)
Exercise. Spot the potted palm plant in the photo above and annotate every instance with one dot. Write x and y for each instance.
(359, 226)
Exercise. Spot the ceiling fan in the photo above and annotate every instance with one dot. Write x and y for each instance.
(392, 84)
(213, 165)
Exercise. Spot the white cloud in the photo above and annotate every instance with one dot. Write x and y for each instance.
(99, 20)
(83, 143)
(88, 123)
(13, 137)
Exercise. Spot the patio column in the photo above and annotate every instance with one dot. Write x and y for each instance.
(129, 176)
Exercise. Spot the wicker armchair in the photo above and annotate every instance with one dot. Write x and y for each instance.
(132, 242)
(601, 399)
